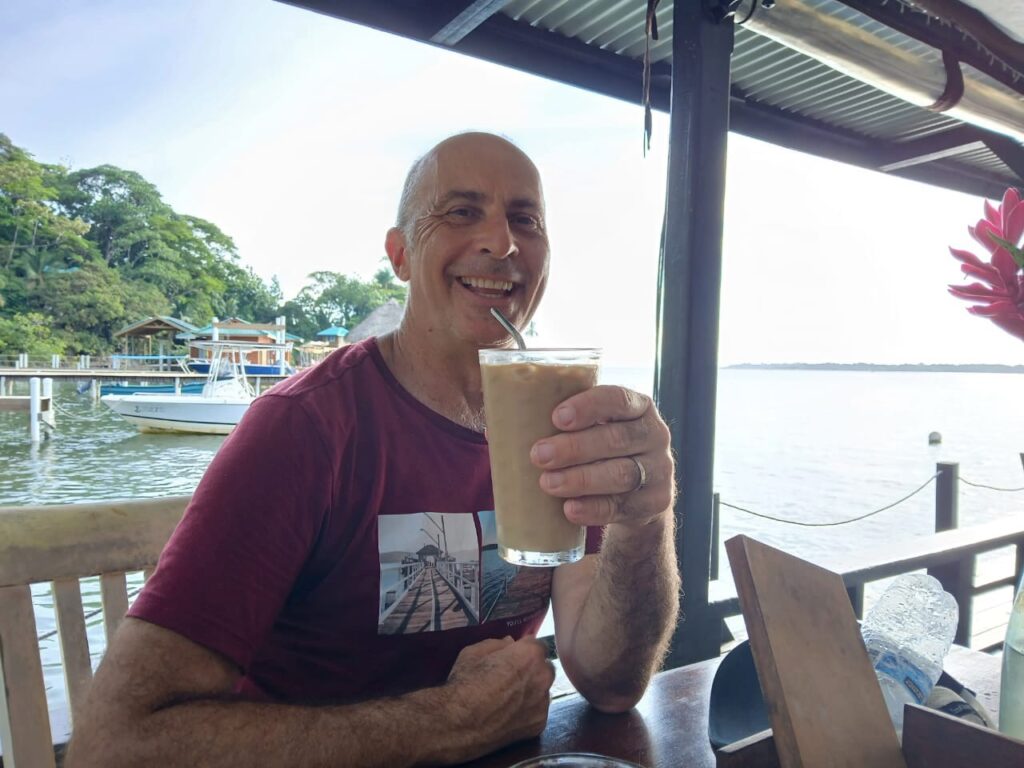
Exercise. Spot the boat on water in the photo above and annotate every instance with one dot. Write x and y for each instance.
(191, 388)
(251, 369)
(224, 399)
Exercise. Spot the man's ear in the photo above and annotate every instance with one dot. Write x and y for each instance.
(395, 246)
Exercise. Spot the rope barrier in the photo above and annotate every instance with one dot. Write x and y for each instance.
(868, 514)
(836, 522)
(68, 414)
(992, 487)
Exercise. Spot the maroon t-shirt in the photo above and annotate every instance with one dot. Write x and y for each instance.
(341, 544)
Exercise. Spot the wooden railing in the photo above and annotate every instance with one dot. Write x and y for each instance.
(950, 555)
(61, 544)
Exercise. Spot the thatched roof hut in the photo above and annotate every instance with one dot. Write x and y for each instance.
(383, 319)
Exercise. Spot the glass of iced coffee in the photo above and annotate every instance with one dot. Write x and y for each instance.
(521, 388)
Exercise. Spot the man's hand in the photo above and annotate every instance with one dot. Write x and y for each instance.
(593, 463)
(499, 690)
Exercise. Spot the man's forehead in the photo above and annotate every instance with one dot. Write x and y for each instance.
(483, 169)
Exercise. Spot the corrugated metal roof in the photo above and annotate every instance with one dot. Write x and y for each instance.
(779, 94)
(766, 72)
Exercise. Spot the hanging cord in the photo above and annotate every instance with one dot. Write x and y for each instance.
(837, 522)
(650, 33)
(750, 13)
(69, 414)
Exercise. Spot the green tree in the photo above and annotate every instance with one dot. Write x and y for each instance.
(126, 215)
(334, 299)
(30, 332)
(87, 306)
(94, 249)
(32, 230)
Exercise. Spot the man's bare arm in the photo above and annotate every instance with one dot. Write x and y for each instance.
(160, 699)
(614, 613)
(614, 616)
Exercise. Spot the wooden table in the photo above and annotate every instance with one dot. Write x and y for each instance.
(669, 727)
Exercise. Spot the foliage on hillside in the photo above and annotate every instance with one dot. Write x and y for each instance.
(83, 253)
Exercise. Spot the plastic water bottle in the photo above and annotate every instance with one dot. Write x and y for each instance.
(1011, 688)
(907, 634)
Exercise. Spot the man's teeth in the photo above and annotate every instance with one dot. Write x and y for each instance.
(491, 285)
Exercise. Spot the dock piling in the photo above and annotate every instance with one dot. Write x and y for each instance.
(33, 410)
(48, 411)
(956, 578)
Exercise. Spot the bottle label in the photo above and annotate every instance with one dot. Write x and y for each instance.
(900, 669)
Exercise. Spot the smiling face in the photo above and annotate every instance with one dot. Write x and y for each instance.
(475, 239)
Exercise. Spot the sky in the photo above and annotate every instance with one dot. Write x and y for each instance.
(293, 131)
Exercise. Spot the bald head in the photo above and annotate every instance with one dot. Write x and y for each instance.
(462, 146)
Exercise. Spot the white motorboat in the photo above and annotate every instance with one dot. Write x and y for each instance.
(225, 398)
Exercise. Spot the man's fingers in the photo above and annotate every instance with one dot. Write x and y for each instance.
(599, 405)
(603, 441)
(599, 478)
(485, 648)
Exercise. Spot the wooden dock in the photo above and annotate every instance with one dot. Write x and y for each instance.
(429, 605)
(104, 373)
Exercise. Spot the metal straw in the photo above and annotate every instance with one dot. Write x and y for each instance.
(509, 327)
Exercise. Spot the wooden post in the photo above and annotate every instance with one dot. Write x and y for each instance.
(49, 413)
(947, 512)
(856, 593)
(716, 510)
(956, 578)
(33, 410)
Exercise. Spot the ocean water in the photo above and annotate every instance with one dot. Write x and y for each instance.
(810, 446)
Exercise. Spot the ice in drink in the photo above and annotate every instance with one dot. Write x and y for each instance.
(521, 390)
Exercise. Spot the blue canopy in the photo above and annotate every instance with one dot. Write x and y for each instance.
(334, 330)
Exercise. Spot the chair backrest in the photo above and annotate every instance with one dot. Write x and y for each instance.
(59, 545)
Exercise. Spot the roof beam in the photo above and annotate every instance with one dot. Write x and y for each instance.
(469, 18)
(1001, 60)
(807, 135)
(938, 146)
(1010, 152)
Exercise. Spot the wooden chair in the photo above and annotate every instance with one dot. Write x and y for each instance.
(61, 544)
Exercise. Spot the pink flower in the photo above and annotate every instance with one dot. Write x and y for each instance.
(999, 295)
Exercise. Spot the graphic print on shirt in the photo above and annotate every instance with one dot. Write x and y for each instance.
(509, 590)
(429, 572)
(431, 577)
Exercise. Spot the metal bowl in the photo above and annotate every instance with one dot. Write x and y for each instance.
(575, 760)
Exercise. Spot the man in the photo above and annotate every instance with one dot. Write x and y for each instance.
(285, 624)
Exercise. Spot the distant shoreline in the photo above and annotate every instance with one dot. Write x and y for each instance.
(902, 368)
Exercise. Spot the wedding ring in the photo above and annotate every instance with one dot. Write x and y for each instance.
(642, 480)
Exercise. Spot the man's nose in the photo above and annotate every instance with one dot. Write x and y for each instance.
(497, 239)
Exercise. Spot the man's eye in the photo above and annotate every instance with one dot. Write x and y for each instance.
(462, 213)
(526, 220)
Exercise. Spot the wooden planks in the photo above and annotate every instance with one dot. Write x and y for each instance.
(935, 740)
(823, 699)
(24, 719)
(74, 642)
(40, 544)
(114, 593)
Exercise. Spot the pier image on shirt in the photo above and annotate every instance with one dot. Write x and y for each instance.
(442, 571)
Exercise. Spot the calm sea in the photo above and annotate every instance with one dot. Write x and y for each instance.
(812, 446)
